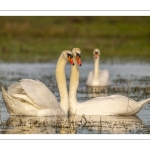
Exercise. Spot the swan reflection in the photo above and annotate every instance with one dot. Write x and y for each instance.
(75, 125)
(34, 125)
(110, 125)
(97, 91)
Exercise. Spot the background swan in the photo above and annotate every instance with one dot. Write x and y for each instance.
(32, 97)
(109, 105)
(97, 77)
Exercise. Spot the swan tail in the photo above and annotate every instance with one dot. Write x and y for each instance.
(144, 102)
(8, 100)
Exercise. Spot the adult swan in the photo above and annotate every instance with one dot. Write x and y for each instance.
(97, 77)
(32, 97)
(109, 105)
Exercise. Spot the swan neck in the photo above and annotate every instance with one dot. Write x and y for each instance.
(61, 83)
(74, 82)
(96, 66)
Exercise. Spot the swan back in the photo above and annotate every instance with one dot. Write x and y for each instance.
(39, 94)
(110, 105)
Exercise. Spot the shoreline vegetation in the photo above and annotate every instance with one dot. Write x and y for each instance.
(42, 38)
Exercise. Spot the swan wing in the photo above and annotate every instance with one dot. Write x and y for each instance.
(15, 88)
(104, 77)
(109, 105)
(18, 105)
(18, 93)
(89, 78)
(39, 94)
(104, 73)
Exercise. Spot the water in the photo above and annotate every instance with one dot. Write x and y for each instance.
(129, 79)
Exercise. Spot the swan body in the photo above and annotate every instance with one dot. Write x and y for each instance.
(109, 105)
(97, 77)
(33, 98)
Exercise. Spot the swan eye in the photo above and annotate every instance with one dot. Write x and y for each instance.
(96, 54)
(70, 55)
(78, 58)
(78, 55)
(70, 58)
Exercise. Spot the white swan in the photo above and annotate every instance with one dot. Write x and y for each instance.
(97, 77)
(32, 97)
(109, 105)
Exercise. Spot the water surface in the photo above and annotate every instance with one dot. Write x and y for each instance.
(129, 79)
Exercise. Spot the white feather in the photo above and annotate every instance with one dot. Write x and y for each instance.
(109, 105)
(32, 97)
(97, 77)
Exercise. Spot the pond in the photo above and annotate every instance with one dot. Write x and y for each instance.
(129, 79)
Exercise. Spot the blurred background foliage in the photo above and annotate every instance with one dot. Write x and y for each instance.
(42, 38)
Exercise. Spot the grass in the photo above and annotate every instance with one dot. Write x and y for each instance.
(41, 39)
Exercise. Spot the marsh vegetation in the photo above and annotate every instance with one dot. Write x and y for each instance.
(41, 39)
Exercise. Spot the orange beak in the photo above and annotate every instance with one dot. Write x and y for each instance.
(70, 60)
(79, 60)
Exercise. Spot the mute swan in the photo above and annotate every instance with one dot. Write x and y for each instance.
(32, 97)
(97, 77)
(109, 105)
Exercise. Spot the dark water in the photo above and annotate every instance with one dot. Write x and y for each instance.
(130, 79)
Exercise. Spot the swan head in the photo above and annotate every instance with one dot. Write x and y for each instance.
(67, 55)
(77, 55)
(96, 52)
